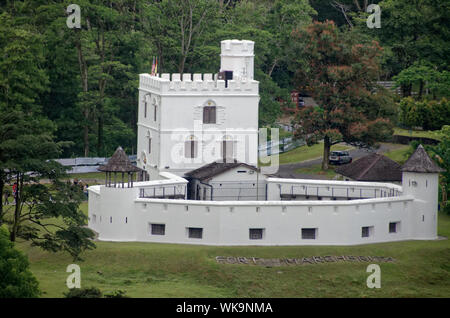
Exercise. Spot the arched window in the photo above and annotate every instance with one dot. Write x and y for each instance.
(146, 100)
(149, 136)
(209, 113)
(227, 148)
(155, 108)
(190, 147)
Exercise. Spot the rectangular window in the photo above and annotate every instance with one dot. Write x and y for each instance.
(209, 114)
(256, 234)
(145, 109)
(149, 145)
(154, 113)
(394, 227)
(366, 231)
(190, 149)
(158, 229)
(309, 234)
(195, 232)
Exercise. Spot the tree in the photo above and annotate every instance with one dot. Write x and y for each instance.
(415, 74)
(411, 113)
(22, 77)
(93, 72)
(441, 154)
(414, 30)
(283, 17)
(425, 76)
(178, 29)
(48, 215)
(339, 71)
(16, 279)
(430, 115)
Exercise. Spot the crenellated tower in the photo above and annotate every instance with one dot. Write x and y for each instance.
(186, 121)
(237, 56)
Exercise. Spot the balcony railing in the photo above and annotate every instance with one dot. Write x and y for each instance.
(341, 192)
(163, 192)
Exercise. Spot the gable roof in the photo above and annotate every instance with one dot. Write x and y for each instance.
(421, 162)
(215, 168)
(119, 162)
(373, 167)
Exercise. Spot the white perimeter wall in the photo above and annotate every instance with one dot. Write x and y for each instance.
(228, 223)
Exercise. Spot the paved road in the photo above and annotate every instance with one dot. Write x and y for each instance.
(288, 170)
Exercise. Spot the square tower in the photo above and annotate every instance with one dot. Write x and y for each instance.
(190, 120)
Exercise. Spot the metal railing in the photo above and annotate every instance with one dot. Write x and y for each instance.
(347, 192)
(163, 192)
(238, 191)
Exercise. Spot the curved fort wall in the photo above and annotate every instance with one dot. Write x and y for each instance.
(124, 215)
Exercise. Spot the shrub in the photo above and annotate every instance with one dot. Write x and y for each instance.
(16, 280)
(94, 292)
(89, 292)
(117, 294)
(430, 115)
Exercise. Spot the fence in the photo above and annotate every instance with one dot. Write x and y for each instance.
(87, 164)
(285, 144)
(163, 192)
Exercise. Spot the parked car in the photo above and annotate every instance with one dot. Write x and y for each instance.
(339, 157)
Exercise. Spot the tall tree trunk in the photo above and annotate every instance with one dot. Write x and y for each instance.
(444, 193)
(326, 152)
(2, 188)
(17, 201)
(101, 46)
(100, 127)
(406, 89)
(274, 64)
(84, 84)
(421, 89)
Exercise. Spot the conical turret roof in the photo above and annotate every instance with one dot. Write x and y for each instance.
(421, 162)
(119, 162)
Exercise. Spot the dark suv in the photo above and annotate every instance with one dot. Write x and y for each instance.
(339, 157)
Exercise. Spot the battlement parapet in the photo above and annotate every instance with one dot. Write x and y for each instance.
(196, 84)
(237, 48)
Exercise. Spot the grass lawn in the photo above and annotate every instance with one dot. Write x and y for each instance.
(93, 178)
(306, 153)
(415, 133)
(422, 269)
(317, 169)
(89, 175)
(400, 154)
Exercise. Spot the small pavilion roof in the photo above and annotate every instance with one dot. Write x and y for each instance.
(373, 167)
(119, 162)
(421, 162)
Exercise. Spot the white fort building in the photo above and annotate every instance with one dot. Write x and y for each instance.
(197, 162)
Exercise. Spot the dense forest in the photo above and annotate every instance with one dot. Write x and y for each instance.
(82, 82)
